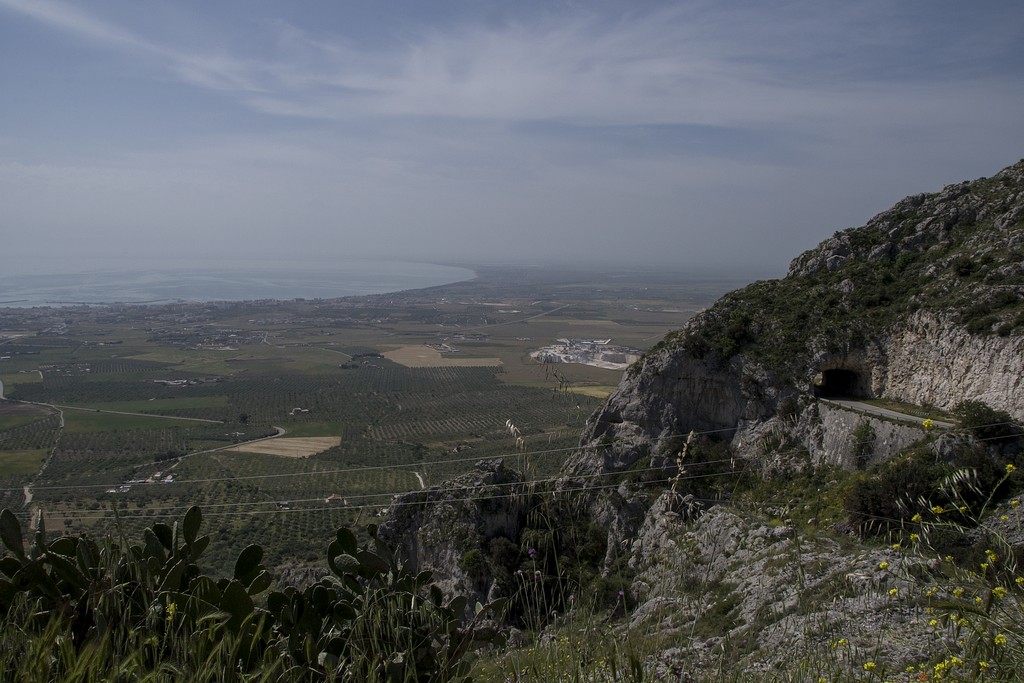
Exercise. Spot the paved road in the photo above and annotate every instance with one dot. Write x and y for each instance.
(99, 410)
(884, 412)
(280, 431)
(517, 321)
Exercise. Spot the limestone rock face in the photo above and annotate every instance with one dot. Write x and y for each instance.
(738, 582)
(924, 304)
(666, 394)
(933, 361)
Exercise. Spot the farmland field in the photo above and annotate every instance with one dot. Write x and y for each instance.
(147, 410)
(21, 462)
(290, 448)
(426, 357)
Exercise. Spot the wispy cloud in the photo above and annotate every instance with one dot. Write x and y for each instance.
(72, 20)
(680, 64)
(548, 126)
(207, 71)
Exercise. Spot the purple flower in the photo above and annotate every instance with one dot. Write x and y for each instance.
(532, 552)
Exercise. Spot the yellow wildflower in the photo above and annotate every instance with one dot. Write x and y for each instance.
(869, 666)
(938, 509)
(1014, 503)
(883, 565)
(933, 622)
(1000, 639)
(914, 538)
(928, 423)
(1010, 469)
(893, 592)
(958, 592)
(991, 555)
(1019, 580)
(1004, 518)
(171, 610)
(999, 592)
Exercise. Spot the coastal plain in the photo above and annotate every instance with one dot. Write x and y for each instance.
(148, 409)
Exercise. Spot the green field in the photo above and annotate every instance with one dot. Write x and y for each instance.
(10, 380)
(89, 420)
(12, 421)
(21, 462)
(161, 406)
(235, 372)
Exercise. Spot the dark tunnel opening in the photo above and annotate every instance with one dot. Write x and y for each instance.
(840, 383)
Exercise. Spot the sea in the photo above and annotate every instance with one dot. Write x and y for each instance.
(233, 282)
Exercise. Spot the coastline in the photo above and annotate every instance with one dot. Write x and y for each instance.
(229, 284)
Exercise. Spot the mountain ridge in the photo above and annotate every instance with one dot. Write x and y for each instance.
(923, 304)
(729, 504)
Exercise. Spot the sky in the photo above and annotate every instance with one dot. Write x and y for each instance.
(694, 135)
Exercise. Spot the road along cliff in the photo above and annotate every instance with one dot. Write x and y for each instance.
(924, 304)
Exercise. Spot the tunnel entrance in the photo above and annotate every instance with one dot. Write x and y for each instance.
(841, 383)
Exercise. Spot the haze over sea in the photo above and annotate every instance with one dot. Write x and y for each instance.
(209, 281)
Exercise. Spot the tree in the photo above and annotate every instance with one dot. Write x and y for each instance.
(985, 422)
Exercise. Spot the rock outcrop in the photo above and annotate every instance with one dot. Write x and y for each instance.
(924, 304)
(444, 529)
(737, 589)
(930, 360)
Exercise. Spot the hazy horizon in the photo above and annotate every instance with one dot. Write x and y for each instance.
(690, 135)
(166, 283)
(79, 266)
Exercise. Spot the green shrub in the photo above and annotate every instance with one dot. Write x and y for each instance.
(984, 421)
(887, 495)
(149, 612)
(473, 562)
(862, 440)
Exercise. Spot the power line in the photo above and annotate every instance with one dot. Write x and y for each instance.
(366, 468)
(369, 506)
(530, 483)
(348, 470)
(400, 467)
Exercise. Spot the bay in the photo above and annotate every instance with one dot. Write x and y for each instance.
(235, 282)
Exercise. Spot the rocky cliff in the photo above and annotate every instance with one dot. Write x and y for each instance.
(924, 304)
